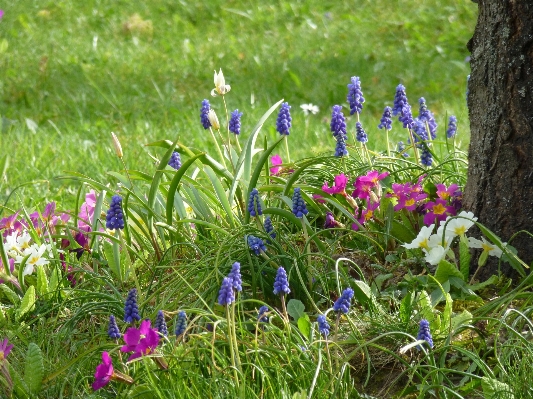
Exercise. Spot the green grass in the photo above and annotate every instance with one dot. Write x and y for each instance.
(75, 69)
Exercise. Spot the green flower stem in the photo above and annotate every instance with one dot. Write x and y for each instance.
(218, 147)
(388, 144)
(116, 255)
(308, 251)
(329, 356)
(414, 146)
(231, 347)
(287, 148)
(365, 149)
(284, 308)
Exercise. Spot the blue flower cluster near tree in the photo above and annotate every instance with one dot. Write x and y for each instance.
(115, 217)
(160, 323)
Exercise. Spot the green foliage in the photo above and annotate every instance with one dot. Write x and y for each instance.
(34, 369)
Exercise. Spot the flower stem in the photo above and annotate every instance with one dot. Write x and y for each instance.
(218, 147)
(287, 148)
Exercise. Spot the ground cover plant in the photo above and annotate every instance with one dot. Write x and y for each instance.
(250, 268)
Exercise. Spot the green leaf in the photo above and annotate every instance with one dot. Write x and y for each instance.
(34, 370)
(426, 310)
(447, 312)
(464, 258)
(445, 270)
(494, 389)
(295, 309)
(221, 194)
(363, 293)
(304, 325)
(462, 318)
(3, 318)
(42, 281)
(110, 256)
(300, 395)
(492, 280)
(406, 308)
(27, 304)
(20, 388)
(55, 277)
(10, 294)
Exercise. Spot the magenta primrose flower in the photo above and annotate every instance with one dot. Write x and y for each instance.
(408, 195)
(367, 214)
(104, 372)
(87, 211)
(338, 187)
(276, 161)
(445, 193)
(141, 341)
(10, 224)
(5, 349)
(437, 211)
(364, 184)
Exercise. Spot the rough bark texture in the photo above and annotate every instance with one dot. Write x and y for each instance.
(499, 187)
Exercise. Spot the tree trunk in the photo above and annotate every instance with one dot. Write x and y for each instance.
(499, 187)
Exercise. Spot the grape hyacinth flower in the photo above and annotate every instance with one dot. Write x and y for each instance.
(406, 117)
(426, 158)
(131, 310)
(400, 100)
(115, 217)
(419, 128)
(361, 135)
(175, 160)
(452, 127)
(254, 206)
(269, 228)
(226, 296)
(283, 123)
(323, 325)
(235, 122)
(235, 276)
(141, 341)
(426, 116)
(160, 324)
(256, 244)
(386, 119)
(342, 305)
(181, 323)
(262, 314)
(281, 283)
(112, 330)
(204, 112)
(338, 122)
(401, 148)
(298, 205)
(424, 334)
(340, 147)
(355, 96)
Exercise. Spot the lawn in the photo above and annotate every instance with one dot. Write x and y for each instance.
(161, 245)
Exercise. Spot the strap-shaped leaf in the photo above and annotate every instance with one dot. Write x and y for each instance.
(27, 303)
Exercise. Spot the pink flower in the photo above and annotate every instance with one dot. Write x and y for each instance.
(437, 211)
(87, 211)
(408, 196)
(367, 214)
(276, 161)
(1, 14)
(364, 184)
(319, 199)
(5, 349)
(140, 341)
(338, 187)
(10, 224)
(104, 372)
(445, 193)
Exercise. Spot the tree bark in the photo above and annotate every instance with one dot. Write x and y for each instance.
(499, 187)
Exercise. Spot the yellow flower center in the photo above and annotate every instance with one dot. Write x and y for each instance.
(487, 247)
(410, 202)
(460, 230)
(424, 244)
(439, 209)
(369, 215)
(33, 260)
(444, 195)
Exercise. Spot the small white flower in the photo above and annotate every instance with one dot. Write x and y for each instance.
(422, 240)
(485, 245)
(11, 245)
(220, 84)
(24, 241)
(458, 226)
(435, 254)
(213, 119)
(309, 108)
(35, 258)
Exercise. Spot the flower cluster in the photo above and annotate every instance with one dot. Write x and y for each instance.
(323, 325)
(235, 122)
(175, 160)
(408, 195)
(231, 284)
(204, 114)
(269, 228)
(424, 333)
(386, 119)
(256, 244)
(115, 217)
(181, 324)
(361, 135)
(298, 204)
(112, 330)
(342, 305)
(452, 127)
(131, 310)
(338, 128)
(355, 96)
(161, 324)
(338, 187)
(254, 205)
(281, 283)
(283, 123)
(262, 316)
(141, 341)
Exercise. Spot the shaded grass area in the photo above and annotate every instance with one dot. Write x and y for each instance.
(80, 70)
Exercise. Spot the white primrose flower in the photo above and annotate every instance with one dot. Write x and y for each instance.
(458, 226)
(220, 84)
(35, 258)
(23, 241)
(488, 247)
(435, 254)
(422, 240)
(11, 245)
(309, 108)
